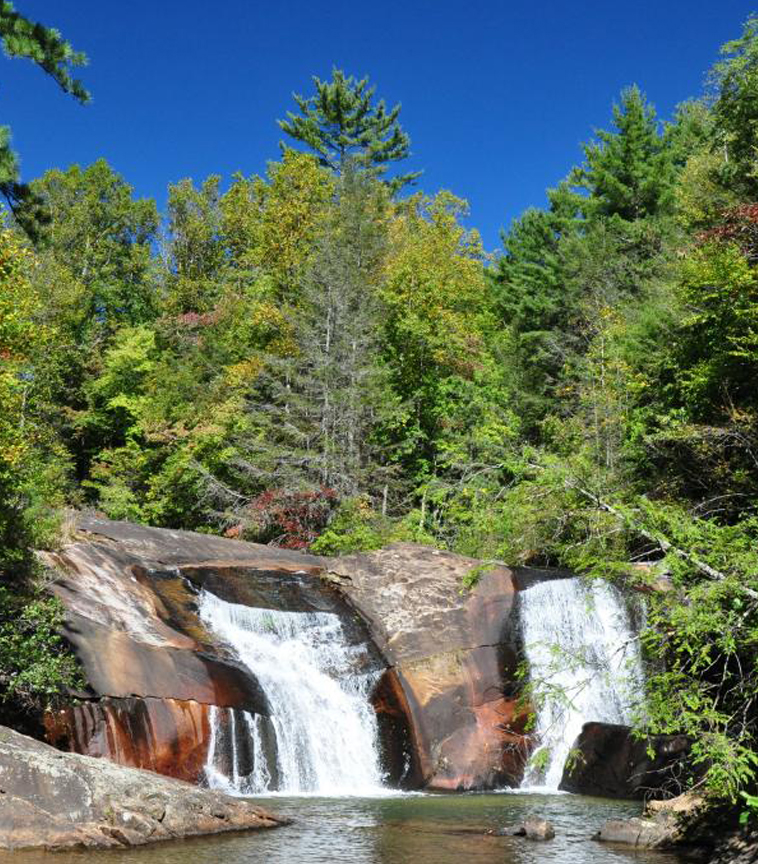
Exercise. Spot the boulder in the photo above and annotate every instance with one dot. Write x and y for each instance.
(663, 825)
(55, 800)
(535, 828)
(638, 832)
(611, 763)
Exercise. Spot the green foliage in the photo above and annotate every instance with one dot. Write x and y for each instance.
(720, 336)
(471, 578)
(628, 172)
(98, 239)
(735, 82)
(45, 47)
(355, 527)
(36, 667)
(308, 361)
(31, 463)
(751, 805)
(341, 125)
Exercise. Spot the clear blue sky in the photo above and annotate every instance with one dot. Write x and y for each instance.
(497, 96)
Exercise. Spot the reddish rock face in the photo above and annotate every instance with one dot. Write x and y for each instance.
(454, 655)
(448, 708)
(168, 736)
(152, 669)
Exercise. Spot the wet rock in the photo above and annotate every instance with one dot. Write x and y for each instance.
(638, 832)
(611, 763)
(153, 670)
(535, 828)
(448, 703)
(453, 655)
(56, 800)
(168, 736)
(664, 824)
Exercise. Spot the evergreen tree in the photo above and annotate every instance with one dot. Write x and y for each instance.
(341, 125)
(55, 56)
(628, 172)
(735, 80)
(537, 303)
(315, 414)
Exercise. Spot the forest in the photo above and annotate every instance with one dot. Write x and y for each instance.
(323, 357)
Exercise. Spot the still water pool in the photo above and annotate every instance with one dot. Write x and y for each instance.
(407, 829)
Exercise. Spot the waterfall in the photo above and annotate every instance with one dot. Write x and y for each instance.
(321, 736)
(584, 664)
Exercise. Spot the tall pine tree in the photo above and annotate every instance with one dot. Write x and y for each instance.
(342, 126)
(628, 172)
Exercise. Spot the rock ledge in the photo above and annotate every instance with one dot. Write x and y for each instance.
(55, 800)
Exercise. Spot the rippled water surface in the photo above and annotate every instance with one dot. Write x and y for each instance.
(423, 829)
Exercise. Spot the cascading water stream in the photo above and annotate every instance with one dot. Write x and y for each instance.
(321, 737)
(584, 663)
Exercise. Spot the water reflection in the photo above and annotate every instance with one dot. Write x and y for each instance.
(422, 829)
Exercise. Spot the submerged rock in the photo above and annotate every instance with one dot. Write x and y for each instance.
(55, 800)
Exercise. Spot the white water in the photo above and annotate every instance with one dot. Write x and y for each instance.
(584, 664)
(325, 729)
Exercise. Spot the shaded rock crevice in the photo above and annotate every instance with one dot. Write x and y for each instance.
(611, 762)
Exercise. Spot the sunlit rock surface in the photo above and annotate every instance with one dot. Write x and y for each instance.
(60, 800)
(453, 654)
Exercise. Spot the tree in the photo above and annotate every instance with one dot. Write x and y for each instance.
(735, 80)
(314, 412)
(55, 56)
(30, 461)
(436, 308)
(195, 247)
(340, 124)
(629, 171)
(99, 237)
(271, 224)
(536, 302)
(94, 269)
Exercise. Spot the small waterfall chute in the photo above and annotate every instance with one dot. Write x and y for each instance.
(324, 731)
(584, 664)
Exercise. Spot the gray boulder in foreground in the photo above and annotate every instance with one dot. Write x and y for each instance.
(55, 800)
